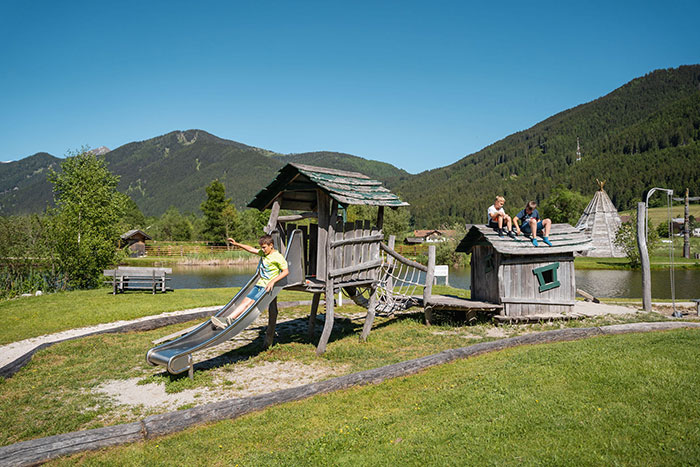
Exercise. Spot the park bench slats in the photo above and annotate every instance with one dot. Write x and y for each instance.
(125, 278)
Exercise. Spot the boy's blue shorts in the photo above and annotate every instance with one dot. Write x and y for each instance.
(526, 227)
(256, 292)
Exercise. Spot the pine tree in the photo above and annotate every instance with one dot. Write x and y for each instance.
(214, 228)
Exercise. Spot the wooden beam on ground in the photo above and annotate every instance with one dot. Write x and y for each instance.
(587, 296)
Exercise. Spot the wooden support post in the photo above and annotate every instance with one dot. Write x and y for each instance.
(644, 256)
(323, 238)
(686, 227)
(380, 217)
(274, 213)
(369, 320)
(391, 261)
(328, 325)
(271, 323)
(312, 317)
(428, 290)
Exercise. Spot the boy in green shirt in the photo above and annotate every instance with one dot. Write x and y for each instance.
(273, 267)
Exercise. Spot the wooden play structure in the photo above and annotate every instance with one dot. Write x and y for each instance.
(349, 257)
(337, 255)
(527, 281)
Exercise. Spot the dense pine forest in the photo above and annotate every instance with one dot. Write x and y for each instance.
(644, 134)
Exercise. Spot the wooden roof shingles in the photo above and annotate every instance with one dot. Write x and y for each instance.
(564, 238)
(345, 187)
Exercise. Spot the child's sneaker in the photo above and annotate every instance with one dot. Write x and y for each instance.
(501, 232)
(546, 240)
(217, 323)
(534, 241)
(511, 234)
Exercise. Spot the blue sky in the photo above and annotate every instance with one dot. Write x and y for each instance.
(416, 84)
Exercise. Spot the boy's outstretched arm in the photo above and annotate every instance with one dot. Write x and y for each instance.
(243, 246)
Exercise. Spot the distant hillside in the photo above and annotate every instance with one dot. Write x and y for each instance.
(644, 134)
(23, 185)
(173, 170)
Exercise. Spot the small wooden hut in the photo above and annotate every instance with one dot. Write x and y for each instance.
(526, 280)
(135, 241)
(337, 254)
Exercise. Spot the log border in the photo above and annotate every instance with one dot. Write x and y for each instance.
(40, 450)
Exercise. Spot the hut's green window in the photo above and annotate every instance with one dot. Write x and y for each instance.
(547, 276)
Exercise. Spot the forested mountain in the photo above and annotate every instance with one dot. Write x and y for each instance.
(23, 185)
(374, 169)
(644, 134)
(173, 170)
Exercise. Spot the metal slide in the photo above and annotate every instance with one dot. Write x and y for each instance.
(176, 355)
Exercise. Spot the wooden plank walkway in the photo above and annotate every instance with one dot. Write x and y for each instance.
(448, 302)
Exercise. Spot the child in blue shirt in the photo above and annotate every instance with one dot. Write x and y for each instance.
(532, 225)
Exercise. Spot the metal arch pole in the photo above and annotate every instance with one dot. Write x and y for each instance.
(646, 206)
(644, 257)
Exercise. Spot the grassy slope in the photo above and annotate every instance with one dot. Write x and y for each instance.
(36, 316)
(559, 404)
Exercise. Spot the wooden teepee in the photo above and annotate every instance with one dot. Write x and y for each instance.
(600, 221)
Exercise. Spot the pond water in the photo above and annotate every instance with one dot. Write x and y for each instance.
(600, 283)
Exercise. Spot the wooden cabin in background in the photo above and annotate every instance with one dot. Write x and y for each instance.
(135, 241)
(526, 280)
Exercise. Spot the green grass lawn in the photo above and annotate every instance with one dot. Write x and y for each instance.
(613, 400)
(53, 393)
(35, 316)
(660, 214)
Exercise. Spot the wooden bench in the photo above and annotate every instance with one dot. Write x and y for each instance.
(137, 278)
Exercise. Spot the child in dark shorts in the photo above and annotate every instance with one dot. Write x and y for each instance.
(532, 225)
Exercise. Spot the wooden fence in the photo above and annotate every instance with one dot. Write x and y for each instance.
(186, 250)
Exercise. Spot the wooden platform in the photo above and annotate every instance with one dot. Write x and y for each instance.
(448, 302)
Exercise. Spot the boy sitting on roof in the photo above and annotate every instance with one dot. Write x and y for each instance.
(497, 217)
(532, 225)
(272, 267)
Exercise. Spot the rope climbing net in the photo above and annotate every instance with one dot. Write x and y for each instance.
(400, 279)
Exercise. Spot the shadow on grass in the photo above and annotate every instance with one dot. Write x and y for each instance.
(296, 331)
